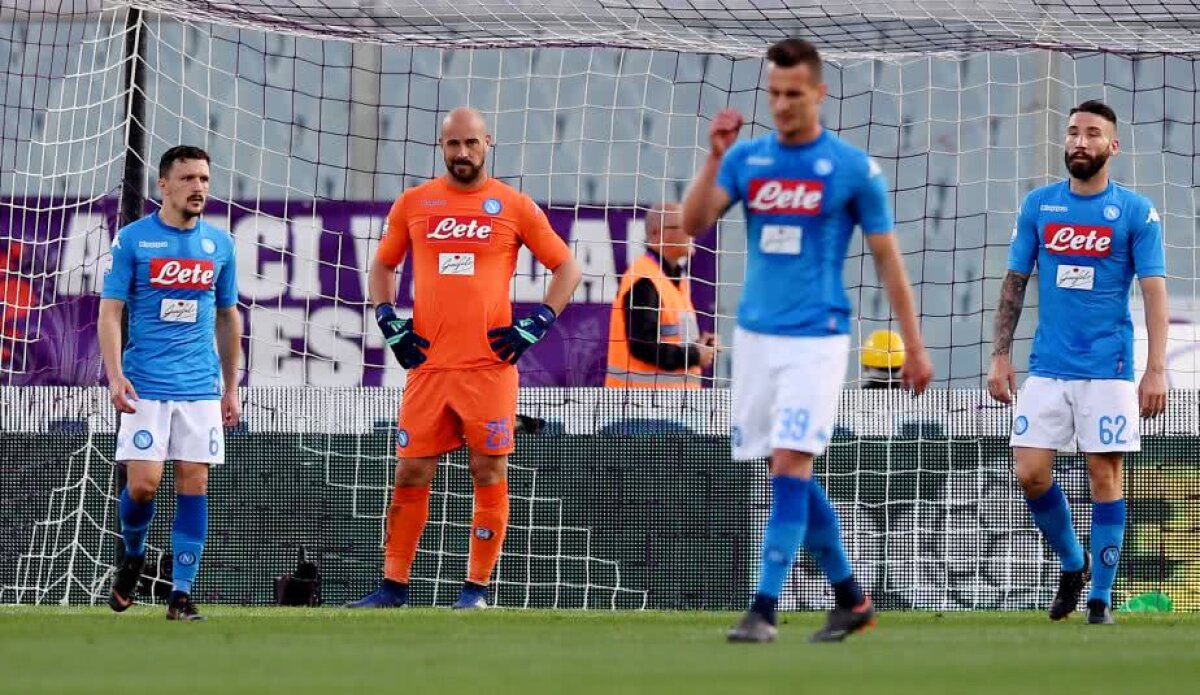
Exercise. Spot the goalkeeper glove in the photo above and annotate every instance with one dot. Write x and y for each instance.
(512, 342)
(400, 337)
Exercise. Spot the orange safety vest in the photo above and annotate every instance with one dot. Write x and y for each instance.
(676, 326)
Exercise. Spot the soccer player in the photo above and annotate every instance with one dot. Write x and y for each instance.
(461, 345)
(1088, 238)
(804, 190)
(176, 275)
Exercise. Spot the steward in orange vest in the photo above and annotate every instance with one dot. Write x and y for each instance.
(654, 340)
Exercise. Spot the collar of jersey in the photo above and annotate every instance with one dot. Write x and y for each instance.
(1073, 194)
(159, 221)
(804, 146)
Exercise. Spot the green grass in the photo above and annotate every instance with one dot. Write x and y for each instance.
(436, 652)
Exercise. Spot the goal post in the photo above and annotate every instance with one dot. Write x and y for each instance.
(317, 113)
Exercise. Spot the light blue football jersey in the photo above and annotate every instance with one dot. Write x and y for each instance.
(1087, 250)
(802, 203)
(172, 281)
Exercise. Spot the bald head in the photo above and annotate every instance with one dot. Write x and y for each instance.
(465, 142)
(664, 232)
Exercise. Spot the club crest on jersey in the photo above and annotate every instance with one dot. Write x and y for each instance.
(823, 167)
(182, 273)
(1111, 212)
(786, 196)
(475, 230)
(209, 246)
(1078, 240)
(492, 206)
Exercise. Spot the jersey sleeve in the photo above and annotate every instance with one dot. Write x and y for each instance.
(394, 246)
(1022, 251)
(227, 295)
(536, 233)
(731, 167)
(1149, 256)
(119, 277)
(871, 202)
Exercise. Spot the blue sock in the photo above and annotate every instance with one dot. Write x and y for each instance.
(785, 533)
(135, 522)
(1053, 516)
(823, 541)
(1108, 530)
(187, 540)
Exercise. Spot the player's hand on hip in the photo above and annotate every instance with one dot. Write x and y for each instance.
(398, 333)
(1002, 379)
(917, 372)
(510, 342)
(231, 408)
(1152, 393)
(724, 131)
(122, 395)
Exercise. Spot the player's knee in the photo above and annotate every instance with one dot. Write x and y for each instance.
(488, 470)
(142, 490)
(416, 472)
(1034, 481)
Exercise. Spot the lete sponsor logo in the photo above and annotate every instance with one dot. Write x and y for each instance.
(182, 273)
(476, 230)
(1078, 240)
(786, 196)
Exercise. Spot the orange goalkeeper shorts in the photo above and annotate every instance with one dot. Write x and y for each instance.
(442, 409)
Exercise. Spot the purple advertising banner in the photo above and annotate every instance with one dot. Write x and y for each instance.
(302, 269)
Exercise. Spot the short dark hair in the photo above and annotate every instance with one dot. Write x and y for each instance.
(179, 153)
(792, 52)
(1097, 107)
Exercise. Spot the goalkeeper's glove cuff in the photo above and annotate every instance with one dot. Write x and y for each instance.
(384, 312)
(544, 315)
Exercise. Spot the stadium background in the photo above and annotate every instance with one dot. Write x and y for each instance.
(311, 139)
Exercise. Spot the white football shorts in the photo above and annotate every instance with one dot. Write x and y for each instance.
(188, 431)
(1100, 415)
(785, 392)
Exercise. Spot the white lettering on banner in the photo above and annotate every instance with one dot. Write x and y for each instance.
(296, 347)
(257, 279)
(334, 336)
(591, 242)
(84, 257)
(272, 362)
(529, 283)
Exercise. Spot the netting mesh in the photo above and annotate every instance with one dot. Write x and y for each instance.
(318, 113)
(617, 503)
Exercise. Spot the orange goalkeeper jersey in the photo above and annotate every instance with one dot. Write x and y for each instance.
(464, 246)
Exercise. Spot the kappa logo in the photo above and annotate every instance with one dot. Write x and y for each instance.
(1053, 208)
(1153, 215)
(1078, 240)
(786, 196)
(476, 230)
(152, 244)
(182, 273)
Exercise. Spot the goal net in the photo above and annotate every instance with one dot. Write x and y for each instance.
(317, 113)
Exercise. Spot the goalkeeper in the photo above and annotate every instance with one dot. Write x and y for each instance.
(462, 345)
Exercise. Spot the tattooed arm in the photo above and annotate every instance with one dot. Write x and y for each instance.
(1002, 379)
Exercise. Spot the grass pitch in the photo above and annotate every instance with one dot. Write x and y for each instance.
(437, 652)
